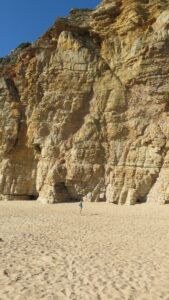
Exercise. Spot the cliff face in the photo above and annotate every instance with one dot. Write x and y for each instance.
(84, 111)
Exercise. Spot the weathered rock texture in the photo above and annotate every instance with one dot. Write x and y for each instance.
(85, 109)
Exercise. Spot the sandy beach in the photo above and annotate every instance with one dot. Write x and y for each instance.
(109, 252)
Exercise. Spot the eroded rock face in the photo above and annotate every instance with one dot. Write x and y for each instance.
(84, 110)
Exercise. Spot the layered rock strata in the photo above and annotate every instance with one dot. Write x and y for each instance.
(84, 111)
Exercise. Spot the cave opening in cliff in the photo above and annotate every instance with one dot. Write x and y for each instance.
(141, 199)
(22, 197)
(66, 192)
(33, 197)
(62, 193)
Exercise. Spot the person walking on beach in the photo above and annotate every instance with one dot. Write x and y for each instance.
(81, 206)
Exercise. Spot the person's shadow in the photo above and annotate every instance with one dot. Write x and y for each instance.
(94, 214)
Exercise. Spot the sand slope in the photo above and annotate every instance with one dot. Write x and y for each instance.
(110, 252)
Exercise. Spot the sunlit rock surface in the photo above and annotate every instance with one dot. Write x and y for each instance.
(84, 111)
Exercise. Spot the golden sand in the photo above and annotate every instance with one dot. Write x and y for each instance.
(109, 252)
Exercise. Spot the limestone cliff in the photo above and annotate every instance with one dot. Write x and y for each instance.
(84, 111)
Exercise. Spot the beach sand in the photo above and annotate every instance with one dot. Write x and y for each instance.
(109, 252)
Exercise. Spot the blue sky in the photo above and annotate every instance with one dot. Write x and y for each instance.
(26, 20)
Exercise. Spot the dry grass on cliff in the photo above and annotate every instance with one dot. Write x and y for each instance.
(110, 252)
